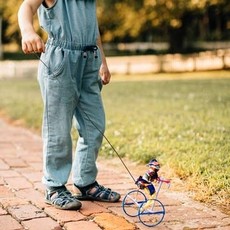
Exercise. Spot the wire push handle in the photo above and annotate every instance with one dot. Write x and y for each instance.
(161, 179)
(164, 180)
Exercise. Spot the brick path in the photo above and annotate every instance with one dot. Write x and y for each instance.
(22, 205)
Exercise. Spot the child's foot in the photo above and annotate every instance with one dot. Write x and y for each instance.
(97, 192)
(61, 198)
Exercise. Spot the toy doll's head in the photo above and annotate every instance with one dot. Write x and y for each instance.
(154, 165)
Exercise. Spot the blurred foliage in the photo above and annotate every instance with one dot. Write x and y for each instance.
(178, 22)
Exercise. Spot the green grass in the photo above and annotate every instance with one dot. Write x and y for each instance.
(184, 123)
(20, 100)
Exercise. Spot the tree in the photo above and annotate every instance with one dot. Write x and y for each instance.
(178, 22)
(1, 28)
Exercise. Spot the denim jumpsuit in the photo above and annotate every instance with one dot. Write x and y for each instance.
(70, 87)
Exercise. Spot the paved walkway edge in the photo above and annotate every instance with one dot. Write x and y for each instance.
(22, 201)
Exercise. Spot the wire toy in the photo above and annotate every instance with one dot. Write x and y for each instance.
(145, 204)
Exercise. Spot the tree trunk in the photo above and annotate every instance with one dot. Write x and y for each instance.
(1, 44)
(176, 40)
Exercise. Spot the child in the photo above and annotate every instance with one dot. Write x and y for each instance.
(70, 88)
(145, 181)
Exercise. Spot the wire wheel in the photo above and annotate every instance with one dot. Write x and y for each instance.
(132, 201)
(151, 213)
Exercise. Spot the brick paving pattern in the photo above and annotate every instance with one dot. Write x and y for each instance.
(22, 201)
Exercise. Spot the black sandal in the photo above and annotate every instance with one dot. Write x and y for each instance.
(96, 192)
(61, 198)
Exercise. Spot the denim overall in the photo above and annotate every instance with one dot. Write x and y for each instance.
(70, 88)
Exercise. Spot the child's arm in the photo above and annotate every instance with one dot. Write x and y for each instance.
(104, 70)
(31, 41)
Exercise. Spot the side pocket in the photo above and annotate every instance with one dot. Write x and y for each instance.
(100, 84)
(99, 59)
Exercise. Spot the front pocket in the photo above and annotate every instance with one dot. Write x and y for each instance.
(55, 60)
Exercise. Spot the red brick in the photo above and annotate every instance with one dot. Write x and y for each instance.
(32, 146)
(37, 166)
(39, 186)
(35, 158)
(26, 212)
(5, 192)
(161, 226)
(9, 173)
(32, 196)
(41, 224)
(109, 221)
(89, 208)
(84, 225)
(63, 216)
(201, 223)
(2, 182)
(15, 162)
(108, 204)
(3, 165)
(2, 211)
(17, 183)
(184, 213)
(33, 176)
(6, 145)
(12, 201)
(117, 210)
(169, 201)
(24, 170)
(10, 223)
(7, 149)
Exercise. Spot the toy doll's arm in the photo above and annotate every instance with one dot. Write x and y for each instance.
(146, 177)
(142, 183)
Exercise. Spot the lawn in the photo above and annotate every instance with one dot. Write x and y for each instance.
(185, 123)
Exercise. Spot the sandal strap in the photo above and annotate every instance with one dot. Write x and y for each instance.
(85, 189)
(102, 193)
(61, 197)
(98, 192)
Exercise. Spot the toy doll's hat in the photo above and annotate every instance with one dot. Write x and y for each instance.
(154, 163)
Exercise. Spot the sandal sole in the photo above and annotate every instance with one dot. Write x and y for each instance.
(61, 208)
(97, 199)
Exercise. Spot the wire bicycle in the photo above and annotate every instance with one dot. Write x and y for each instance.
(148, 208)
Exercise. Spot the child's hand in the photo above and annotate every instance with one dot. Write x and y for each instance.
(32, 43)
(105, 74)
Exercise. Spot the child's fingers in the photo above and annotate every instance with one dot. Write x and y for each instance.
(32, 45)
(40, 46)
(24, 47)
(27, 47)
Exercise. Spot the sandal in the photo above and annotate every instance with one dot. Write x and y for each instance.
(61, 198)
(96, 192)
